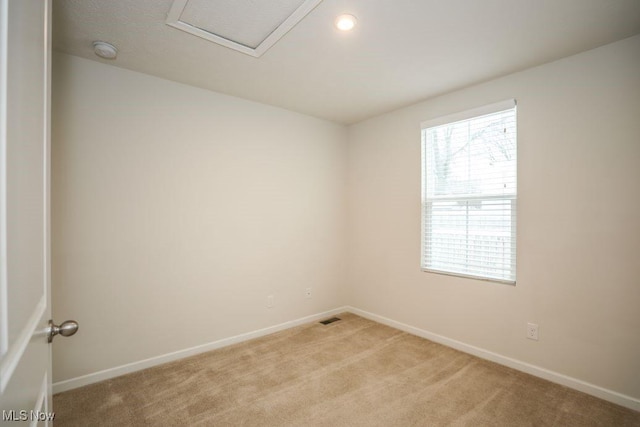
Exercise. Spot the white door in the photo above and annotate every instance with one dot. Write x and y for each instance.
(25, 355)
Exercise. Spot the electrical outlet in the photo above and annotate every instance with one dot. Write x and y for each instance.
(532, 331)
(307, 293)
(270, 301)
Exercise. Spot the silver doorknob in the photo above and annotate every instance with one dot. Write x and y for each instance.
(66, 329)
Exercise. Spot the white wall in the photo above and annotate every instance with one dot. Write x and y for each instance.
(578, 221)
(176, 211)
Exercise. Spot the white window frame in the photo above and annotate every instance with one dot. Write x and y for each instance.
(452, 118)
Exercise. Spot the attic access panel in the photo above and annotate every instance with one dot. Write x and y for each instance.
(248, 26)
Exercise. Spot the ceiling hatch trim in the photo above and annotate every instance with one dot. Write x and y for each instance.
(175, 15)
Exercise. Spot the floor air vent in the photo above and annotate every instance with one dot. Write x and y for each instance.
(333, 319)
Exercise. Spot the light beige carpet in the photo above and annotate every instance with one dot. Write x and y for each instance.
(354, 372)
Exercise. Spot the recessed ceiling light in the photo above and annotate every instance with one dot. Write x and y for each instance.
(345, 22)
(105, 50)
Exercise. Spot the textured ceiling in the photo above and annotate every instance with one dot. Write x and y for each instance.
(401, 51)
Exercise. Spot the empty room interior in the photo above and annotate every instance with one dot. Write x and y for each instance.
(453, 187)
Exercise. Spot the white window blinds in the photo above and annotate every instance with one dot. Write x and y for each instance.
(469, 192)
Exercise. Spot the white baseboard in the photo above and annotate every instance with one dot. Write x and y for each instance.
(106, 374)
(576, 384)
(594, 390)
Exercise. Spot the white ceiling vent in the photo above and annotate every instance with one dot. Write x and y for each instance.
(248, 26)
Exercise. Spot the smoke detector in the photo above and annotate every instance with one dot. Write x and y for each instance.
(105, 50)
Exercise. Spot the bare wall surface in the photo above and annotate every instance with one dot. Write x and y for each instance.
(177, 211)
(578, 232)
